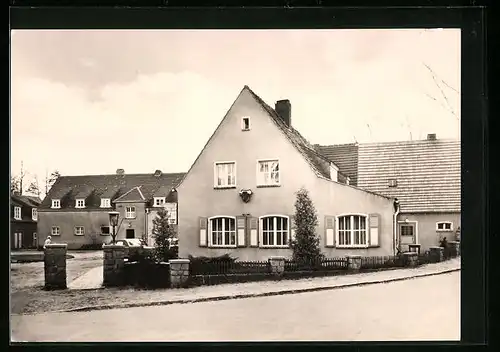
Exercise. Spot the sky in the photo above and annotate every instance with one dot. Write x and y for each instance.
(89, 102)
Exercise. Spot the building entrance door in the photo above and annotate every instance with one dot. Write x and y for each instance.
(407, 235)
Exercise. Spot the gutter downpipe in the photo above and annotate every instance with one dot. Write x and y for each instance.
(395, 229)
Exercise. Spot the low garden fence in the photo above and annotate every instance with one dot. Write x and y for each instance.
(327, 264)
(216, 267)
(382, 262)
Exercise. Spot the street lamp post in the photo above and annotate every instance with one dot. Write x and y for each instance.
(113, 220)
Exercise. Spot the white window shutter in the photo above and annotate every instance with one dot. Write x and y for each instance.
(374, 229)
(241, 231)
(293, 228)
(203, 232)
(329, 231)
(254, 232)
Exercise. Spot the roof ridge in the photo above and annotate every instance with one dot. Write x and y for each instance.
(143, 174)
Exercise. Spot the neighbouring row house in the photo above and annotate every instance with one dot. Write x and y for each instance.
(23, 221)
(76, 210)
(238, 196)
(424, 175)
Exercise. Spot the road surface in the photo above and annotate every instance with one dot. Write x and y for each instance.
(425, 308)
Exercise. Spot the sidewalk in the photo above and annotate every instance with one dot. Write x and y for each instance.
(138, 298)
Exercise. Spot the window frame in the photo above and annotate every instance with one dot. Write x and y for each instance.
(34, 214)
(134, 212)
(17, 213)
(444, 223)
(210, 232)
(259, 173)
(216, 177)
(56, 204)
(105, 202)
(275, 231)
(352, 230)
(82, 232)
(162, 201)
(58, 231)
(109, 229)
(77, 200)
(243, 118)
(172, 220)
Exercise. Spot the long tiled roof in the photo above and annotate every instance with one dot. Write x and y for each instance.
(95, 187)
(345, 156)
(319, 163)
(28, 201)
(427, 173)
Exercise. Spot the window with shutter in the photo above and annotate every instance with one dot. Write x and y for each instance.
(329, 231)
(352, 231)
(203, 232)
(374, 220)
(222, 231)
(240, 224)
(274, 231)
(254, 232)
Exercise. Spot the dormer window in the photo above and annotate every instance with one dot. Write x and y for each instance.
(334, 173)
(56, 203)
(245, 123)
(80, 203)
(392, 182)
(105, 203)
(159, 201)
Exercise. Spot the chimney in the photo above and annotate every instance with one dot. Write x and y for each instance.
(157, 173)
(284, 110)
(120, 172)
(431, 137)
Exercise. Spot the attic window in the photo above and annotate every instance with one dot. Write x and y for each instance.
(245, 123)
(392, 182)
(444, 226)
(105, 203)
(159, 201)
(80, 203)
(56, 203)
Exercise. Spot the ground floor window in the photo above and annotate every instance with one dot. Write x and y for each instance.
(56, 231)
(79, 231)
(444, 226)
(105, 230)
(274, 231)
(222, 231)
(352, 231)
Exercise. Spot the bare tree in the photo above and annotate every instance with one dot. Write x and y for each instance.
(50, 180)
(14, 184)
(440, 84)
(34, 187)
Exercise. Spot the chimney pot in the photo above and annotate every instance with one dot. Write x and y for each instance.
(120, 171)
(157, 173)
(284, 109)
(431, 137)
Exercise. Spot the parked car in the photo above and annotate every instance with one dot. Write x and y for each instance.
(135, 248)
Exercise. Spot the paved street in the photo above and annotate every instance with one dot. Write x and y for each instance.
(418, 309)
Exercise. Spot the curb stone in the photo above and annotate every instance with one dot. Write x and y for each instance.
(249, 295)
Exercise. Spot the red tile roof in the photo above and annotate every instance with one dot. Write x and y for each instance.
(427, 173)
(67, 188)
